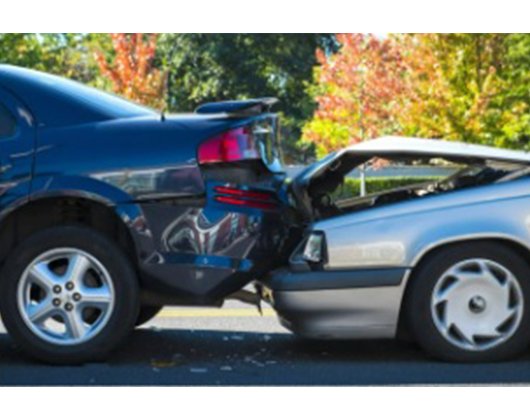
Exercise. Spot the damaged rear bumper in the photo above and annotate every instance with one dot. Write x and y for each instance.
(338, 304)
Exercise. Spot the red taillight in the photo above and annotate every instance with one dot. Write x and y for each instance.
(256, 195)
(254, 199)
(234, 145)
(245, 203)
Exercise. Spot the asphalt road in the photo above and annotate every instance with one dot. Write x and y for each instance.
(235, 346)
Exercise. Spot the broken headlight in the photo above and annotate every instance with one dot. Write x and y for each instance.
(314, 250)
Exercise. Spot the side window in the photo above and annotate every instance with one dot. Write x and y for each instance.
(7, 123)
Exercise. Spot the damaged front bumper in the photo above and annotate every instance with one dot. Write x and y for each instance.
(322, 304)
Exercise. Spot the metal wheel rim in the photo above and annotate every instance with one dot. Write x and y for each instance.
(65, 296)
(477, 304)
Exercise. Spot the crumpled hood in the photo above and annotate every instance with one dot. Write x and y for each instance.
(328, 172)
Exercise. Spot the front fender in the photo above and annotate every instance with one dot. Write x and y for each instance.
(402, 240)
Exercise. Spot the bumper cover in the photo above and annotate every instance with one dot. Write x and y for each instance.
(338, 304)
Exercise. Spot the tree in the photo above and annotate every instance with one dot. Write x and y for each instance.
(61, 54)
(212, 67)
(471, 87)
(358, 92)
(131, 70)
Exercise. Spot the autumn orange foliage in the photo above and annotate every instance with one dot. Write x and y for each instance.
(358, 92)
(469, 87)
(131, 71)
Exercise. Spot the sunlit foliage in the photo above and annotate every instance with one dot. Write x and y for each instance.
(131, 70)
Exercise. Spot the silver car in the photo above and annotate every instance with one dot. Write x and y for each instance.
(446, 262)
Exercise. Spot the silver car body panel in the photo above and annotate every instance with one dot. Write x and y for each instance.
(400, 235)
(353, 313)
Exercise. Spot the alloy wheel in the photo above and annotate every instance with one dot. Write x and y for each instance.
(65, 296)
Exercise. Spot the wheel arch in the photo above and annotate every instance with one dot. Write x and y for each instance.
(428, 253)
(51, 210)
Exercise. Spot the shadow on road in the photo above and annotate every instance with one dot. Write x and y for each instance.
(184, 357)
(208, 346)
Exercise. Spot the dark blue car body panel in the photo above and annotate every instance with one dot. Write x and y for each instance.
(144, 167)
(16, 155)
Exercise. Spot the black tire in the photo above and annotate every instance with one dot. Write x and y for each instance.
(126, 300)
(147, 313)
(418, 302)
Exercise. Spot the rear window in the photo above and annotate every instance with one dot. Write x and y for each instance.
(8, 123)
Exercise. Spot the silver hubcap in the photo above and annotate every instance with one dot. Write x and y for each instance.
(65, 296)
(477, 304)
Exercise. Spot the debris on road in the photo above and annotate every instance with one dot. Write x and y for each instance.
(176, 359)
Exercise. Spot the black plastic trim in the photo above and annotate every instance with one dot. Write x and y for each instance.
(245, 107)
(286, 280)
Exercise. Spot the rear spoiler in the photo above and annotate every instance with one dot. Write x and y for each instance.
(238, 108)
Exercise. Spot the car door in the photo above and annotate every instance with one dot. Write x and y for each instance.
(17, 143)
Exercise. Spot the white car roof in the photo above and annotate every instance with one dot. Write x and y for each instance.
(427, 147)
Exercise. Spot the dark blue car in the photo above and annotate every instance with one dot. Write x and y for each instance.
(109, 210)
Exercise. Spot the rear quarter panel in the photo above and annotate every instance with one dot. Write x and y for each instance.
(147, 170)
(139, 156)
